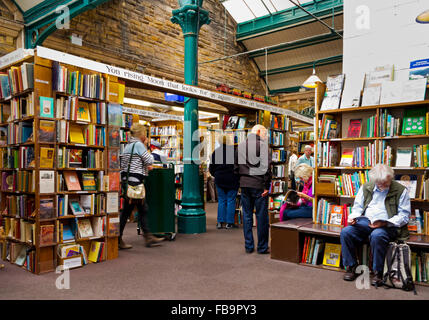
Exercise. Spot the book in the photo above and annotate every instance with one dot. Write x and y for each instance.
(47, 234)
(115, 114)
(83, 112)
(46, 107)
(88, 182)
(409, 181)
(84, 228)
(347, 158)
(391, 92)
(76, 207)
(241, 123)
(112, 202)
(46, 210)
(334, 88)
(75, 158)
(414, 90)
(72, 181)
(403, 156)
(94, 252)
(114, 137)
(419, 69)
(332, 255)
(47, 157)
(414, 121)
(76, 135)
(232, 122)
(371, 96)
(47, 131)
(114, 181)
(355, 128)
(47, 181)
(336, 215)
(113, 159)
(113, 230)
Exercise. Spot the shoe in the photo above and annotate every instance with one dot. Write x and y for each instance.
(151, 240)
(138, 231)
(350, 274)
(212, 201)
(123, 245)
(220, 225)
(249, 250)
(264, 252)
(230, 226)
(377, 280)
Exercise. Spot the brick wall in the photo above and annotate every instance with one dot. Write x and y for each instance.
(139, 35)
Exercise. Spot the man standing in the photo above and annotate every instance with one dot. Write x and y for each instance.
(157, 154)
(306, 158)
(381, 211)
(252, 164)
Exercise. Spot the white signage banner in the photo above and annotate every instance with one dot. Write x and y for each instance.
(15, 56)
(165, 85)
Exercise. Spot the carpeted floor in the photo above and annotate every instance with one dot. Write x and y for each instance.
(205, 266)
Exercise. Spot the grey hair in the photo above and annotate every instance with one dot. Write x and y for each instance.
(308, 147)
(303, 171)
(381, 173)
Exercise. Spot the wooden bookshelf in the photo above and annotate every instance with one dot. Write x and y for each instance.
(43, 256)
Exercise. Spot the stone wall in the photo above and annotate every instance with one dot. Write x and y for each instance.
(139, 35)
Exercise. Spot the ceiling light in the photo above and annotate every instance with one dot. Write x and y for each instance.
(310, 83)
(137, 102)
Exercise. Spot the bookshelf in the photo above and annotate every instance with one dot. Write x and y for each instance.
(305, 138)
(170, 135)
(379, 140)
(53, 164)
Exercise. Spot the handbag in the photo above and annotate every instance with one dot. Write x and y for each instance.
(137, 192)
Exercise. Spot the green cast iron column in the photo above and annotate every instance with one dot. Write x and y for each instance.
(192, 218)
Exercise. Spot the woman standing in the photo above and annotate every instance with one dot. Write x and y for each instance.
(222, 169)
(305, 209)
(138, 161)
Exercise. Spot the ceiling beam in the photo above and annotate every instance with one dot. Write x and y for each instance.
(310, 41)
(288, 18)
(305, 65)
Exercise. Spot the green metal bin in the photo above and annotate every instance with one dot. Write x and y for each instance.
(161, 192)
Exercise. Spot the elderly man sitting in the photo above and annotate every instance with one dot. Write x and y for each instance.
(381, 212)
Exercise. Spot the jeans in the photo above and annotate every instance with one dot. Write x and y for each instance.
(226, 204)
(379, 238)
(142, 214)
(251, 198)
(303, 211)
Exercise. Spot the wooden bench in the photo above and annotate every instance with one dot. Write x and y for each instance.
(287, 238)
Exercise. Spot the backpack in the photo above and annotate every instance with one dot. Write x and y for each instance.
(397, 267)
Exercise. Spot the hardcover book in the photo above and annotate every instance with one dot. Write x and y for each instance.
(47, 157)
(47, 131)
(47, 210)
(115, 114)
(114, 179)
(403, 157)
(409, 181)
(47, 234)
(84, 228)
(88, 182)
(336, 216)
(113, 159)
(232, 122)
(332, 255)
(47, 181)
(113, 230)
(347, 158)
(75, 158)
(355, 128)
(76, 207)
(76, 135)
(83, 112)
(414, 121)
(72, 181)
(114, 137)
(47, 107)
(94, 252)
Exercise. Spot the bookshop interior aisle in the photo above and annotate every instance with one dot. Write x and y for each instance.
(212, 265)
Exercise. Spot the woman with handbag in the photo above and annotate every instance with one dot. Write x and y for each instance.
(304, 206)
(136, 162)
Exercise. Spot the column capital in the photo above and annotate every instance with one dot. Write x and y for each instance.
(191, 18)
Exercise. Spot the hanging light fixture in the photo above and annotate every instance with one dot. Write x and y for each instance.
(310, 83)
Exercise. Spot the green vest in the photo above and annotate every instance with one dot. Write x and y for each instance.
(391, 203)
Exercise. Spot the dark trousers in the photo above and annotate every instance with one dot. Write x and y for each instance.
(251, 199)
(142, 214)
(303, 211)
(379, 238)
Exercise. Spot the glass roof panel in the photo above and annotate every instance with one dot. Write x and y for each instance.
(26, 5)
(238, 10)
(257, 7)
